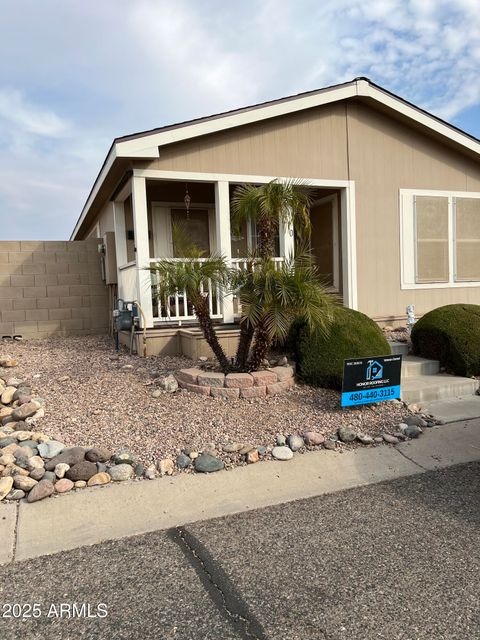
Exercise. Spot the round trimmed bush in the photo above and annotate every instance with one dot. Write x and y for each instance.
(450, 334)
(320, 359)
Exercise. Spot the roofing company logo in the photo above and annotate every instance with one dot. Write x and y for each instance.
(374, 370)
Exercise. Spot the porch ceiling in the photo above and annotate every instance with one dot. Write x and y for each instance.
(174, 191)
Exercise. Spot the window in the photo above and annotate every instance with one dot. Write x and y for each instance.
(192, 227)
(440, 236)
(467, 239)
(431, 239)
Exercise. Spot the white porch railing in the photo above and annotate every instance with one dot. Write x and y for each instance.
(178, 308)
(241, 263)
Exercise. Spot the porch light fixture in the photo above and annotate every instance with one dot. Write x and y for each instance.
(187, 200)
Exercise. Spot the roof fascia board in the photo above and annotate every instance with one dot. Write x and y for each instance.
(142, 152)
(129, 147)
(365, 89)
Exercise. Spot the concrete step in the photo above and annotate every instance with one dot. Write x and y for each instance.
(425, 388)
(453, 409)
(399, 348)
(413, 366)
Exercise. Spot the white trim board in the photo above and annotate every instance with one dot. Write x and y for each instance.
(230, 120)
(240, 178)
(408, 244)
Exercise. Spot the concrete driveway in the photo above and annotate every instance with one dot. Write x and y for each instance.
(394, 560)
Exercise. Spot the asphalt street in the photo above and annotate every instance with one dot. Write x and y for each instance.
(396, 560)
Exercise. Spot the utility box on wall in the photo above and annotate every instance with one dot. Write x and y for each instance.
(110, 258)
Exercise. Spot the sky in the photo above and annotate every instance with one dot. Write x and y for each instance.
(76, 74)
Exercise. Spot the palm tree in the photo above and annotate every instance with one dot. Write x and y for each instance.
(272, 297)
(193, 274)
(269, 204)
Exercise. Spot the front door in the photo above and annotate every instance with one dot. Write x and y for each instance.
(324, 218)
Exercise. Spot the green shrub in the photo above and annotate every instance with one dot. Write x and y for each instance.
(320, 360)
(450, 334)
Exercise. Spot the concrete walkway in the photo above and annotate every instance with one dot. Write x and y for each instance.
(119, 510)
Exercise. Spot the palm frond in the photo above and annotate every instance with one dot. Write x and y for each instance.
(191, 275)
(286, 201)
(183, 246)
(273, 297)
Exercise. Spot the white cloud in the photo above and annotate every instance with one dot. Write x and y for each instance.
(30, 118)
(180, 46)
(424, 50)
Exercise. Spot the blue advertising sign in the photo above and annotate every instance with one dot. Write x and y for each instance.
(368, 380)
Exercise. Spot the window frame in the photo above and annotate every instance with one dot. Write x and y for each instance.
(408, 241)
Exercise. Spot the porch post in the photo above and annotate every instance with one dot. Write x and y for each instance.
(349, 246)
(287, 240)
(142, 249)
(223, 236)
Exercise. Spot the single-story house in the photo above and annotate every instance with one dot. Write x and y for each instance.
(396, 218)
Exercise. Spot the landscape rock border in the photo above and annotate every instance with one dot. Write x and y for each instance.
(33, 466)
(232, 386)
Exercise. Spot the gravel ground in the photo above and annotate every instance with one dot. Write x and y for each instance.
(102, 403)
(397, 334)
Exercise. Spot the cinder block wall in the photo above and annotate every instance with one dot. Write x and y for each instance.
(52, 288)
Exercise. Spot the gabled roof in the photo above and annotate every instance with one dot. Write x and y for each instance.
(147, 144)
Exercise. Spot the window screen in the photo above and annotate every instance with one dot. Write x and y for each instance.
(467, 239)
(431, 226)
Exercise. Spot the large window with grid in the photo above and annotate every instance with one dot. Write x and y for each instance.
(440, 238)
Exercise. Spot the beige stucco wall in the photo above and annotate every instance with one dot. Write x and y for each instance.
(348, 140)
(49, 288)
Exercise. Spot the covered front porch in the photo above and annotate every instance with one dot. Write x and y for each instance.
(150, 204)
